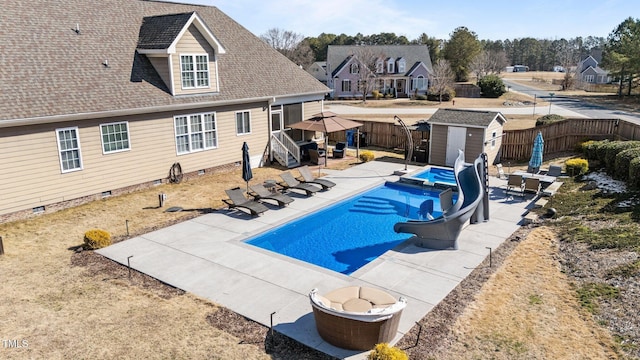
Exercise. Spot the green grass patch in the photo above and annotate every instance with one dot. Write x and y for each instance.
(535, 299)
(589, 294)
(626, 271)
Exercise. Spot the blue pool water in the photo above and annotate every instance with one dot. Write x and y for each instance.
(435, 174)
(350, 234)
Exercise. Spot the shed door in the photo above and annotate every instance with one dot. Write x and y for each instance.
(456, 139)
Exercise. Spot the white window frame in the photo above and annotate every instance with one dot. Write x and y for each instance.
(64, 149)
(115, 138)
(589, 78)
(494, 136)
(192, 134)
(346, 85)
(402, 64)
(419, 80)
(354, 68)
(199, 78)
(380, 66)
(246, 122)
(391, 66)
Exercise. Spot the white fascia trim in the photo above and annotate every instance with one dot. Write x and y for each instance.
(204, 30)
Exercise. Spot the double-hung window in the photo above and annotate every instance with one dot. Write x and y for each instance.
(243, 122)
(346, 85)
(420, 83)
(194, 71)
(115, 137)
(195, 132)
(69, 149)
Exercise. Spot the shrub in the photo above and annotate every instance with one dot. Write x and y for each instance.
(421, 97)
(634, 173)
(491, 86)
(96, 239)
(548, 119)
(584, 146)
(366, 156)
(601, 150)
(622, 165)
(613, 149)
(447, 95)
(376, 94)
(385, 352)
(576, 166)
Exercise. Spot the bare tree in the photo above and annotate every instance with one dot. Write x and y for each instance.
(442, 78)
(367, 60)
(290, 44)
(568, 56)
(488, 62)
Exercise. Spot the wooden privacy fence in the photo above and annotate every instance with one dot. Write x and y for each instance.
(565, 135)
(383, 134)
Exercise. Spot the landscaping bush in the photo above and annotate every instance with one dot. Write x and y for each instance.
(96, 239)
(623, 161)
(576, 166)
(634, 173)
(447, 95)
(385, 352)
(584, 147)
(366, 156)
(601, 151)
(612, 151)
(491, 86)
(376, 94)
(421, 97)
(548, 119)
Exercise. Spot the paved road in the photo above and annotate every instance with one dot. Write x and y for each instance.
(566, 103)
(560, 105)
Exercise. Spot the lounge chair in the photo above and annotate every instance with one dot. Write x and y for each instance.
(532, 185)
(259, 192)
(307, 177)
(315, 157)
(338, 151)
(290, 183)
(238, 200)
(555, 170)
(515, 183)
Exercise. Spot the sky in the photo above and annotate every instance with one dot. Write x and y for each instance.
(490, 20)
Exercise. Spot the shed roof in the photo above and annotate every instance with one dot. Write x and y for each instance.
(476, 118)
(51, 71)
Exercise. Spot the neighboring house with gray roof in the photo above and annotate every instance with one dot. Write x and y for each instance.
(399, 70)
(319, 71)
(99, 98)
(589, 72)
(471, 131)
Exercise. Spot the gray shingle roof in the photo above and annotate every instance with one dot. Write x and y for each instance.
(159, 32)
(411, 53)
(49, 70)
(464, 117)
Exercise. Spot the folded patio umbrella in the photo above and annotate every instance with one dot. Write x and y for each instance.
(536, 153)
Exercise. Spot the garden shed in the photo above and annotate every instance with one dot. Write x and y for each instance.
(471, 131)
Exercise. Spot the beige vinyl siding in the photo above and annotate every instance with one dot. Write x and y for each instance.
(492, 154)
(311, 108)
(161, 65)
(35, 178)
(191, 43)
(438, 151)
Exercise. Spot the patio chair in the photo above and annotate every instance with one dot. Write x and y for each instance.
(259, 192)
(338, 151)
(315, 157)
(531, 185)
(501, 174)
(307, 177)
(515, 183)
(238, 200)
(291, 183)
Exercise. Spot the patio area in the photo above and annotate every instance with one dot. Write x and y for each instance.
(207, 256)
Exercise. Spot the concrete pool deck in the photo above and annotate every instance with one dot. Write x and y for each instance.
(207, 257)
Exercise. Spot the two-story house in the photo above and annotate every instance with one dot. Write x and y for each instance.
(399, 70)
(100, 98)
(590, 72)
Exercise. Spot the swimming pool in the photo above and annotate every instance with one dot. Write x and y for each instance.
(436, 175)
(350, 234)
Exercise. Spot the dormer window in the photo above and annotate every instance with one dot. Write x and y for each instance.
(379, 66)
(391, 68)
(194, 71)
(401, 65)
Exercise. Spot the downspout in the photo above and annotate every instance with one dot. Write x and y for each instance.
(270, 127)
